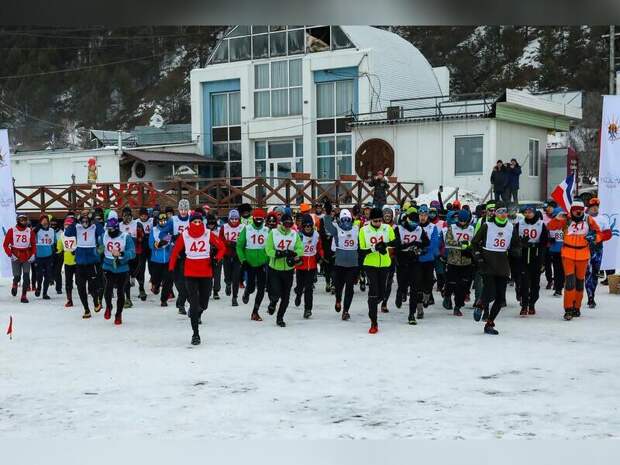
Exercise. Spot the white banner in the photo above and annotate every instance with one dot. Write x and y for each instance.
(7, 200)
(609, 179)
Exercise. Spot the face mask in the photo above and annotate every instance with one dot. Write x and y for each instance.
(113, 232)
(346, 224)
(288, 224)
(258, 222)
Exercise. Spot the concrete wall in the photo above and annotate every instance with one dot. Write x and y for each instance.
(55, 167)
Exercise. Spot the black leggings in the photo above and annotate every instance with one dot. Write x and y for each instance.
(280, 283)
(232, 273)
(115, 281)
(179, 282)
(305, 281)
(426, 277)
(388, 283)
(494, 290)
(85, 275)
(458, 283)
(162, 278)
(558, 271)
(57, 272)
(412, 282)
(198, 292)
(216, 266)
(140, 269)
(377, 280)
(530, 284)
(45, 272)
(69, 274)
(344, 278)
(257, 277)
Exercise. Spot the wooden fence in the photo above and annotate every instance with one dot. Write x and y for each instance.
(221, 194)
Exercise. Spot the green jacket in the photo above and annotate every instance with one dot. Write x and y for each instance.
(254, 257)
(374, 258)
(280, 263)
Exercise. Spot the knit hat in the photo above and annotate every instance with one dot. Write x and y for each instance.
(195, 216)
(557, 211)
(411, 211)
(183, 204)
(69, 221)
(345, 213)
(423, 208)
(577, 204)
(112, 223)
(435, 204)
(388, 210)
(456, 204)
(463, 216)
(305, 207)
(112, 214)
(259, 213)
(376, 214)
(233, 214)
(307, 220)
(286, 217)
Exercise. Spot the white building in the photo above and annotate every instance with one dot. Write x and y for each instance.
(275, 100)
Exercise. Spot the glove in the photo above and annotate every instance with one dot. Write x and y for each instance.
(591, 237)
(280, 253)
(31, 259)
(465, 245)
(162, 243)
(14, 258)
(381, 247)
(478, 258)
(290, 261)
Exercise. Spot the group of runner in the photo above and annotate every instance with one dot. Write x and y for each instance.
(408, 249)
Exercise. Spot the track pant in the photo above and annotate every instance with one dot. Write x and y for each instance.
(530, 284)
(57, 272)
(198, 292)
(426, 277)
(216, 266)
(515, 273)
(388, 283)
(19, 269)
(377, 280)
(575, 272)
(558, 271)
(594, 266)
(327, 268)
(115, 281)
(458, 282)
(440, 271)
(69, 274)
(344, 278)
(280, 283)
(494, 290)
(141, 260)
(304, 284)
(257, 277)
(100, 279)
(86, 275)
(179, 282)
(162, 278)
(45, 272)
(548, 268)
(232, 273)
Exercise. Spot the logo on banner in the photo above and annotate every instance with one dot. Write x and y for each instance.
(612, 220)
(612, 129)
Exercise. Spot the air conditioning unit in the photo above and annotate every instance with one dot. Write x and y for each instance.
(394, 113)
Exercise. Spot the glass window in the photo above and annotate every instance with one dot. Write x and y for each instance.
(294, 67)
(295, 103)
(260, 169)
(235, 151)
(261, 76)
(260, 150)
(240, 49)
(326, 168)
(261, 104)
(295, 42)
(279, 102)
(281, 149)
(534, 157)
(277, 28)
(325, 99)
(234, 108)
(325, 146)
(221, 53)
(235, 170)
(259, 29)
(240, 31)
(344, 97)
(468, 155)
(219, 109)
(234, 133)
(340, 39)
(343, 145)
(299, 147)
(261, 46)
(277, 45)
(344, 165)
(279, 74)
(318, 39)
(220, 152)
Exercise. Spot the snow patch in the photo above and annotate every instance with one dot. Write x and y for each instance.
(466, 197)
(529, 57)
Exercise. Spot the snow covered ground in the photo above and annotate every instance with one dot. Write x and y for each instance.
(542, 377)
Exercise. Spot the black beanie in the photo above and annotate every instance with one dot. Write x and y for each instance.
(376, 214)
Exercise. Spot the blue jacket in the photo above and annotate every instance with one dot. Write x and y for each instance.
(45, 250)
(432, 251)
(122, 263)
(162, 254)
(86, 255)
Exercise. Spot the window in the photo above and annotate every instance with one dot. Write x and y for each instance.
(534, 157)
(256, 42)
(226, 133)
(278, 90)
(467, 155)
(334, 104)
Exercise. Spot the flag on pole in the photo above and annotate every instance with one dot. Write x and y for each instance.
(9, 330)
(563, 193)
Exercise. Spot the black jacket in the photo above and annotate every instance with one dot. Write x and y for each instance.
(499, 179)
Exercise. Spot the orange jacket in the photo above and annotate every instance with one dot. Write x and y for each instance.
(576, 246)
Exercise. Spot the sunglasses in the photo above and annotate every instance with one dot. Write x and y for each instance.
(501, 211)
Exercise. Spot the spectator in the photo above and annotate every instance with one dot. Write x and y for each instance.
(381, 187)
(499, 181)
(514, 172)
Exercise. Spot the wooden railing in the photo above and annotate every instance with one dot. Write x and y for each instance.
(222, 193)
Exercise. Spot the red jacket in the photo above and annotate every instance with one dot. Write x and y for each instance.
(200, 267)
(22, 254)
(309, 262)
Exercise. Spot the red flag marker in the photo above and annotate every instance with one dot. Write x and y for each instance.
(9, 330)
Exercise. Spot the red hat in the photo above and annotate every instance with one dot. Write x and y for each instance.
(456, 204)
(259, 213)
(206, 207)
